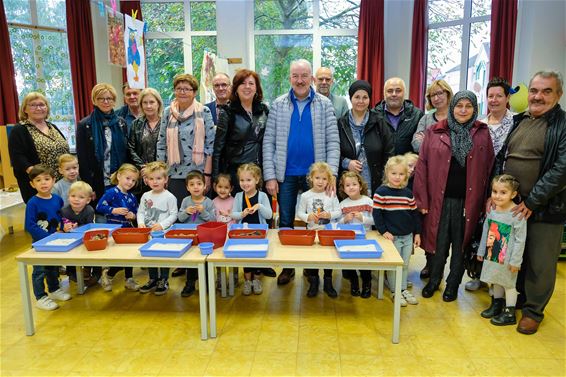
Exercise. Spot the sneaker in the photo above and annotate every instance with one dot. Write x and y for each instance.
(403, 301)
(256, 286)
(409, 284)
(149, 286)
(60, 295)
(162, 287)
(189, 289)
(45, 303)
(408, 296)
(132, 285)
(247, 290)
(473, 285)
(106, 281)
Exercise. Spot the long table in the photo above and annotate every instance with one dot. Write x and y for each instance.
(315, 256)
(123, 255)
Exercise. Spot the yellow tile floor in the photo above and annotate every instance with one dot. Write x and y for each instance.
(279, 333)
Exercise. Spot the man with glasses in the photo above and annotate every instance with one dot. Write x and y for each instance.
(400, 113)
(131, 109)
(324, 79)
(222, 91)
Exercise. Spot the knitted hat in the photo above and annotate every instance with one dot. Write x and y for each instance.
(360, 85)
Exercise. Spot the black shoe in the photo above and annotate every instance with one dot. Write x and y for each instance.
(354, 286)
(270, 272)
(178, 272)
(505, 318)
(429, 289)
(189, 289)
(450, 294)
(494, 309)
(425, 273)
(285, 276)
(313, 288)
(149, 286)
(329, 289)
(366, 290)
(162, 287)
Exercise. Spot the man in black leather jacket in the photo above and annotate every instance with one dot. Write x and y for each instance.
(535, 153)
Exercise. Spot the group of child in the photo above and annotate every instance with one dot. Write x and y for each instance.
(392, 211)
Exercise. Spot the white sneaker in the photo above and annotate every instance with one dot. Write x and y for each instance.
(473, 285)
(247, 290)
(403, 301)
(45, 303)
(256, 286)
(106, 281)
(132, 285)
(60, 295)
(408, 296)
(409, 284)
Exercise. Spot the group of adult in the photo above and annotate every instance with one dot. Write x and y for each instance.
(457, 153)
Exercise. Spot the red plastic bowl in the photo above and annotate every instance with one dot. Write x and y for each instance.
(93, 244)
(212, 231)
(247, 233)
(131, 235)
(327, 237)
(297, 237)
(183, 234)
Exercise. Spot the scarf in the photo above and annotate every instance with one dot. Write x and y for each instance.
(174, 148)
(460, 136)
(118, 147)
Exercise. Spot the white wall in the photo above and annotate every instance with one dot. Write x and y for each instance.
(232, 18)
(541, 39)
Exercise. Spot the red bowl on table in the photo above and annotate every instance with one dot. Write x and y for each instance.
(183, 234)
(298, 237)
(131, 235)
(247, 233)
(96, 239)
(327, 237)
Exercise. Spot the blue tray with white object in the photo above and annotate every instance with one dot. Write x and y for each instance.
(358, 249)
(246, 248)
(357, 228)
(166, 247)
(58, 242)
(181, 226)
(248, 226)
(97, 226)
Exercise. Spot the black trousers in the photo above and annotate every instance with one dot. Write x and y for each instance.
(128, 271)
(314, 272)
(353, 274)
(450, 233)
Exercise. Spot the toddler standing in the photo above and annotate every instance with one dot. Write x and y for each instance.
(69, 169)
(317, 208)
(396, 218)
(42, 219)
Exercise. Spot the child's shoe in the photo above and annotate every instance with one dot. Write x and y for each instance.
(354, 286)
(45, 303)
(366, 289)
(408, 296)
(313, 288)
(60, 295)
(106, 281)
(189, 289)
(247, 289)
(403, 301)
(256, 287)
(91, 281)
(149, 286)
(506, 317)
(496, 307)
(329, 289)
(161, 288)
(132, 285)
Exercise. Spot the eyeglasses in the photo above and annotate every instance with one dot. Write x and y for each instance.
(37, 105)
(184, 90)
(437, 94)
(105, 99)
(220, 86)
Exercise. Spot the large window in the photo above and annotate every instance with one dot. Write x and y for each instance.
(178, 34)
(322, 31)
(458, 44)
(40, 50)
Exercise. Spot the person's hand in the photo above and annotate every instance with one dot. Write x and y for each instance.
(245, 212)
(423, 211)
(417, 240)
(156, 227)
(120, 211)
(207, 183)
(69, 226)
(225, 213)
(489, 205)
(142, 171)
(199, 207)
(359, 216)
(389, 236)
(355, 165)
(272, 187)
(130, 216)
(324, 215)
(253, 209)
(514, 269)
(312, 218)
(331, 187)
(480, 258)
(349, 217)
(522, 211)
(191, 210)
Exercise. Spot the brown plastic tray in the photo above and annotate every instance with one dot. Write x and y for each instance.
(184, 234)
(247, 233)
(327, 237)
(131, 235)
(297, 237)
(98, 244)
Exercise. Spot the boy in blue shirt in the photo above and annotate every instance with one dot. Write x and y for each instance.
(43, 215)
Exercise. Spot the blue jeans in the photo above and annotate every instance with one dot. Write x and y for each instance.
(287, 198)
(404, 245)
(158, 273)
(50, 274)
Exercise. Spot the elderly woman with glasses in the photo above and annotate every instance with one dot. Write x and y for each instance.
(186, 136)
(34, 140)
(101, 140)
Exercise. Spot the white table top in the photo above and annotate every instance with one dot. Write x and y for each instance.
(314, 254)
(9, 199)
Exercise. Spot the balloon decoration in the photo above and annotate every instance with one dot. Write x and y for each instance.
(518, 100)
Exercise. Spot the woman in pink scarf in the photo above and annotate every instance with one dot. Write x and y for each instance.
(186, 136)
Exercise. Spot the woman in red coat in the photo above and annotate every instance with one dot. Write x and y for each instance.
(450, 188)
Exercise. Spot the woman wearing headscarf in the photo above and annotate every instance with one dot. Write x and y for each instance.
(451, 180)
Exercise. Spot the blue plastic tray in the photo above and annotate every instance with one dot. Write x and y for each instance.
(41, 245)
(250, 226)
(246, 253)
(181, 226)
(342, 245)
(85, 228)
(146, 251)
(357, 228)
